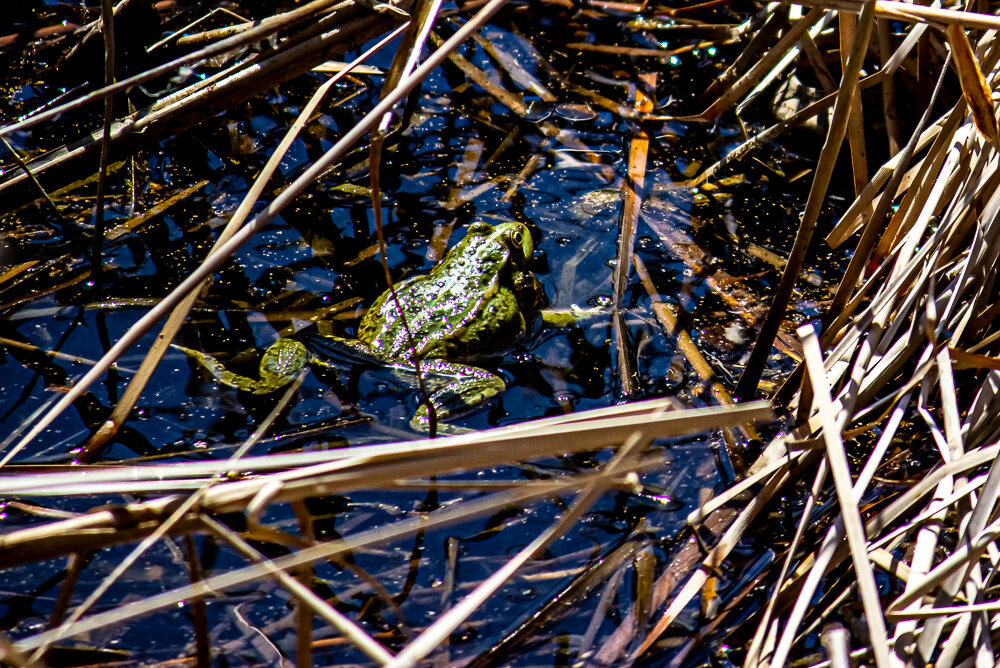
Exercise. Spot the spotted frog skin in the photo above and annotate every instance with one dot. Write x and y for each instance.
(474, 303)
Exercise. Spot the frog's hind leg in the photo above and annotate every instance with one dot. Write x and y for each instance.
(455, 389)
(279, 366)
(219, 372)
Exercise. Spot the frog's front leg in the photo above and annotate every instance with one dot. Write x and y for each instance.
(278, 367)
(455, 389)
(573, 316)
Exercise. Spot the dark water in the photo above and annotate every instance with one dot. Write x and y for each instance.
(314, 257)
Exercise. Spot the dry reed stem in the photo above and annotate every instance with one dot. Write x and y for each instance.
(974, 87)
(515, 103)
(917, 333)
(609, 570)
(590, 483)
(177, 514)
(363, 467)
(738, 88)
(812, 110)
(108, 32)
(837, 458)
(624, 461)
(332, 34)
(199, 609)
(760, 638)
(412, 43)
(351, 631)
(201, 503)
(190, 105)
(712, 561)
(78, 476)
(903, 11)
(855, 122)
(870, 234)
(787, 59)
(178, 36)
(15, 154)
(761, 41)
(889, 100)
(245, 575)
(263, 30)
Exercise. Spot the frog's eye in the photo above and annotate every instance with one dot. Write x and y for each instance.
(516, 237)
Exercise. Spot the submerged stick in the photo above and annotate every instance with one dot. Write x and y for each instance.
(108, 30)
(632, 192)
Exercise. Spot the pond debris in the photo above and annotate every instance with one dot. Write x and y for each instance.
(893, 396)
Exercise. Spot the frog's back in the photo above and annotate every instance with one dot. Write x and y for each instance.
(458, 319)
(466, 307)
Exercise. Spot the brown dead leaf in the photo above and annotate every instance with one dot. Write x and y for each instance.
(961, 359)
(974, 87)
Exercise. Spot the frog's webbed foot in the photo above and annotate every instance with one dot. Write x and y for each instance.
(573, 316)
(278, 367)
(455, 390)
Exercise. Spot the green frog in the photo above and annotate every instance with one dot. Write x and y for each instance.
(474, 303)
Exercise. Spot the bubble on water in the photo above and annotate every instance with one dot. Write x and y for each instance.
(576, 112)
(601, 300)
(537, 112)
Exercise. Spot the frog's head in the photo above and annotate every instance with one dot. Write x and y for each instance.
(508, 242)
(517, 238)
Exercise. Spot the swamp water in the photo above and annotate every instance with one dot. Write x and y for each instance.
(558, 166)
